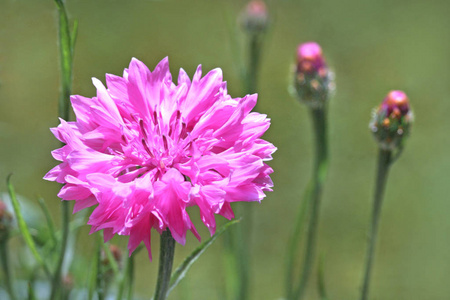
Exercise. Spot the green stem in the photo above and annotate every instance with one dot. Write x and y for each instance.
(242, 251)
(66, 48)
(4, 256)
(318, 178)
(56, 281)
(130, 275)
(127, 279)
(166, 253)
(242, 234)
(92, 283)
(254, 53)
(384, 162)
(295, 240)
(99, 280)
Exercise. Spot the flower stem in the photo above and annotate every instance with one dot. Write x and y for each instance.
(166, 253)
(240, 237)
(56, 281)
(384, 162)
(4, 256)
(66, 47)
(254, 47)
(319, 175)
(130, 275)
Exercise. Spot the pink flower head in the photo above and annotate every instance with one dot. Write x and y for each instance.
(397, 102)
(144, 149)
(310, 58)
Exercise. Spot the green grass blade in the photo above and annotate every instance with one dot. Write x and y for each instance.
(24, 228)
(73, 37)
(66, 46)
(181, 271)
(50, 224)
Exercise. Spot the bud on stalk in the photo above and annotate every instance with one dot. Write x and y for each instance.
(392, 120)
(313, 80)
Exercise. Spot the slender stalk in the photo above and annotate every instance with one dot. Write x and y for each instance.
(99, 279)
(242, 248)
(126, 279)
(123, 279)
(50, 224)
(319, 175)
(66, 48)
(56, 281)
(384, 162)
(253, 62)
(4, 256)
(130, 275)
(166, 253)
(92, 283)
(242, 235)
(295, 240)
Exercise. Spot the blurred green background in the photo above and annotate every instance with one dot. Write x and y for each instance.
(373, 47)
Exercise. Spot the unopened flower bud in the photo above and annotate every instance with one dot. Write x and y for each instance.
(313, 80)
(255, 17)
(5, 221)
(392, 120)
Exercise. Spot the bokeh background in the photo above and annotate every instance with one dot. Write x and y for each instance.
(373, 47)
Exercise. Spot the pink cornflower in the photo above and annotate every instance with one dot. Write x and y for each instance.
(146, 148)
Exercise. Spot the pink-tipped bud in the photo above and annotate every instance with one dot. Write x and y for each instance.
(313, 80)
(396, 100)
(5, 222)
(255, 17)
(310, 58)
(392, 120)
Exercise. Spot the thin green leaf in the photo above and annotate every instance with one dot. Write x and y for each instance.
(66, 46)
(321, 280)
(73, 37)
(181, 271)
(51, 225)
(23, 226)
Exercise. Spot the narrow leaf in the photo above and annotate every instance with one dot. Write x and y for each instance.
(24, 228)
(50, 224)
(66, 46)
(73, 37)
(181, 271)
